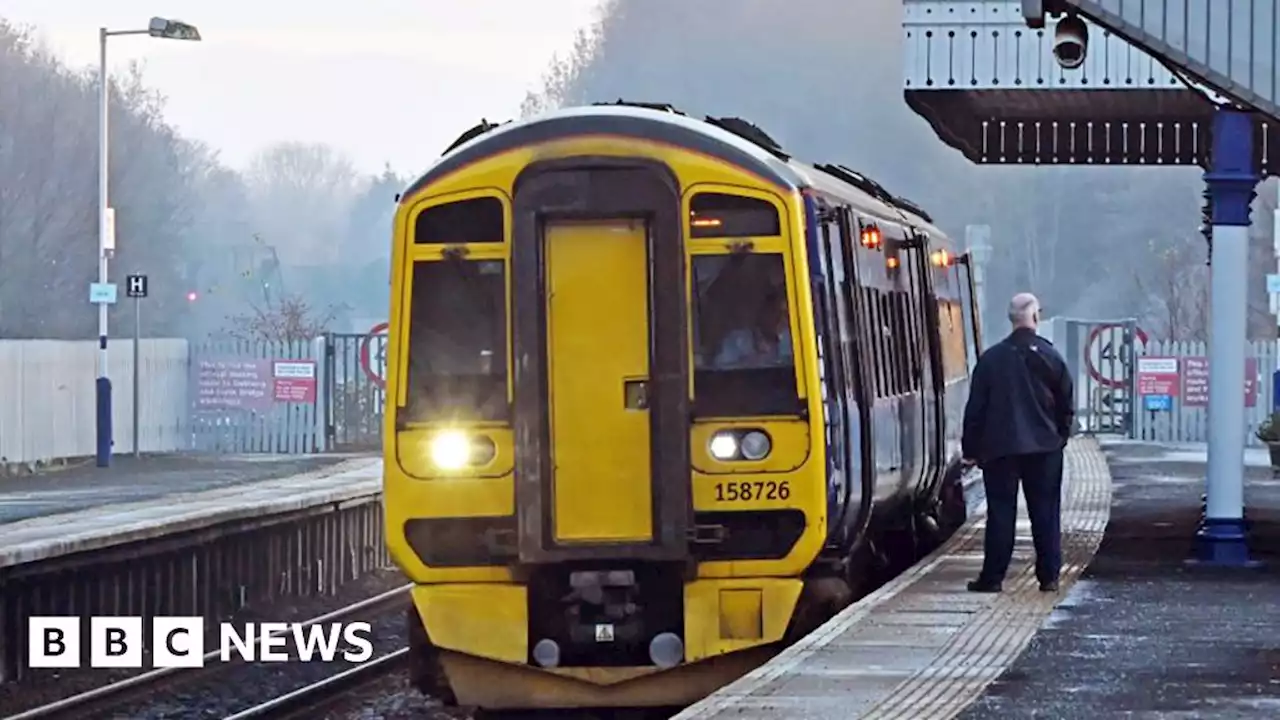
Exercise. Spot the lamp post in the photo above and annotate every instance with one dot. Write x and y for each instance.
(158, 28)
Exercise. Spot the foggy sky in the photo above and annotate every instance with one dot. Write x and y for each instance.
(383, 80)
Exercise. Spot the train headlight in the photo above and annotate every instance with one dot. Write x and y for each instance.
(455, 450)
(731, 445)
(723, 446)
(755, 445)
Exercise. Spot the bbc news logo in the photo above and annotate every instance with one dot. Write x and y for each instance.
(118, 642)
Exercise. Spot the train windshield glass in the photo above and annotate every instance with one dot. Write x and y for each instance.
(457, 360)
(744, 362)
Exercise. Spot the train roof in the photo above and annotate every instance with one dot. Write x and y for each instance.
(731, 139)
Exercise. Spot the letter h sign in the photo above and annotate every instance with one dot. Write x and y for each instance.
(136, 286)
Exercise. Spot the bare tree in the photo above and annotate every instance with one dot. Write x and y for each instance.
(1176, 285)
(291, 319)
(302, 194)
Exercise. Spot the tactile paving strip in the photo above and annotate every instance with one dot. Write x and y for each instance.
(921, 646)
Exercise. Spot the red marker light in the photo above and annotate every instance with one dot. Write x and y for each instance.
(191, 296)
(871, 237)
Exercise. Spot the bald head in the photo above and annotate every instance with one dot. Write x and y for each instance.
(1024, 311)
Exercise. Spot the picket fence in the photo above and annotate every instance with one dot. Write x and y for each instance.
(48, 408)
(1190, 424)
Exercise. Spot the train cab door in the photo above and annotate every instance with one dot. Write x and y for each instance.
(600, 363)
(598, 351)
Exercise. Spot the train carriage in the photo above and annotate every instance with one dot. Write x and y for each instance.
(661, 399)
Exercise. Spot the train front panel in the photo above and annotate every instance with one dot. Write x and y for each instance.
(604, 460)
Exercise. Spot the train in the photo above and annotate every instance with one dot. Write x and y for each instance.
(661, 399)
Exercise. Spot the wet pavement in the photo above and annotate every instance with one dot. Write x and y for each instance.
(1143, 635)
(129, 479)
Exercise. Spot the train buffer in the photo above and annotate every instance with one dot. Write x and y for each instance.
(1140, 631)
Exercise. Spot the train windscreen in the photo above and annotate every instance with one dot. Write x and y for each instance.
(744, 361)
(457, 359)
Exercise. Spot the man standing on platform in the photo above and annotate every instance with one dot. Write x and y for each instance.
(1019, 416)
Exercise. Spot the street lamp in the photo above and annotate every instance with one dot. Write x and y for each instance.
(159, 28)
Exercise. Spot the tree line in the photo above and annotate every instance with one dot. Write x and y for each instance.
(299, 230)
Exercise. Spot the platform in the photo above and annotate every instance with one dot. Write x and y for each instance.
(106, 525)
(922, 646)
(1144, 635)
(83, 485)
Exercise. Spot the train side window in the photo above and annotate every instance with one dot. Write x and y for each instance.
(869, 339)
(457, 355)
(744, 361)
(899, 341)
(879, 343)
(911, 337)
(723, 215)
(888, 333)
(476, 220)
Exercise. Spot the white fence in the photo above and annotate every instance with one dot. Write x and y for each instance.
(1186, 422)
(48, 409)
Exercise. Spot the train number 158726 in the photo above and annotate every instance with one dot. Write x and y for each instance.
(745, 490)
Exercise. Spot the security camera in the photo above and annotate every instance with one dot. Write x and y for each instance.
(1071, 42)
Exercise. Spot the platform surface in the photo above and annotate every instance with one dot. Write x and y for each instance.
(106, 525)
(922, 646)
(1144, 635)
(83, 485)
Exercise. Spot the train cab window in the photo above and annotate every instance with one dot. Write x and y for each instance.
(477, 220)
(457, 359)
(744, 358)
(723, 215)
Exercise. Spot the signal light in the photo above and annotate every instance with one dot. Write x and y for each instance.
(871, 238)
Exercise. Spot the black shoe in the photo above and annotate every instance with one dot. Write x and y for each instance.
(1049, 587)
(983, 586)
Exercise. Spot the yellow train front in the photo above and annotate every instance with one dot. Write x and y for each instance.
(606, 469)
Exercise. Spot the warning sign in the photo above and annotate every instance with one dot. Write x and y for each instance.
(1195, 382)
(1158, 376)
(294, 381)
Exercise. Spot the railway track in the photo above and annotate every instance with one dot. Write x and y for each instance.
(101, 700)
(318, 693)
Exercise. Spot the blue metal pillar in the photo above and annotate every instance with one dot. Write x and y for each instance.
(1232, 181)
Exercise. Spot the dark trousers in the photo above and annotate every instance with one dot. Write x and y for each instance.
(1041, 475)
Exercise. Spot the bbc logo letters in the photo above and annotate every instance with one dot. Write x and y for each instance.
(119, 642)
(115, 642)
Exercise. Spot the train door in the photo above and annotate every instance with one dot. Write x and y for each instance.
(917, 295)
(598, 349)
(933, 377)
(971, 321)
(600, 361)
(855, 511)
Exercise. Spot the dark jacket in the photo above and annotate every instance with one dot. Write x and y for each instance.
(1021, 400)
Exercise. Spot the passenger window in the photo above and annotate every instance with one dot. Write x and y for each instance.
(744, 359)
(457, 360)
(721, 215)
(478, 220)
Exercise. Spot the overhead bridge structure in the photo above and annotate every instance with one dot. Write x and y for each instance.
(1125, 82)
